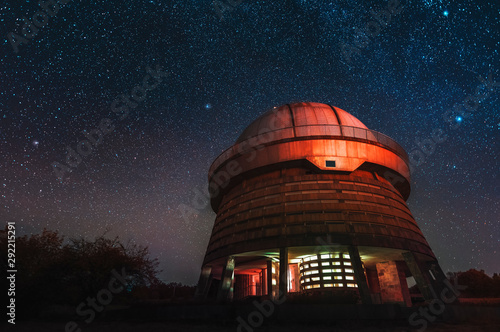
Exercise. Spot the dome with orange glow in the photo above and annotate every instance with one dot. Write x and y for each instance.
(300, 115)
(321, 137)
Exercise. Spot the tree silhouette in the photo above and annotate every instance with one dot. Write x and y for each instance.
(54, 271)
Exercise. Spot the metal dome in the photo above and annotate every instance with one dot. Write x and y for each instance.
(317, 134)
(300, 115)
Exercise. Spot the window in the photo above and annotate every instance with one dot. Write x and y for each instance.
(349, 278)
(330, 163)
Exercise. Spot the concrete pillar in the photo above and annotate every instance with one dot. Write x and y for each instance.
(226, 280)
(283, 277)
(269, 278)
(372, 278)
(404, 284)
(419, 274)
(263, 284)
(357, 266)
(204, 282)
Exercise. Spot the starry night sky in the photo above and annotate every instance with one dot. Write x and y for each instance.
(218, 75)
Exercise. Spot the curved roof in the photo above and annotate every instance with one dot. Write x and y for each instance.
(323, 137)
(300, 115)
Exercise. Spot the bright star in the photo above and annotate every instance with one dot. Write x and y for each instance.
(35, 143)
(445, 13)
(208, 106)
(459, 119)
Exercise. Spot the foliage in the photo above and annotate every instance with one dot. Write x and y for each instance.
(479, 284)
(54, 271)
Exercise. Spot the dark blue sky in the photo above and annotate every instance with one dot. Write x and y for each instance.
(217, 76)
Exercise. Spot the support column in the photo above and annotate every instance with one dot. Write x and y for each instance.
(401, 266)
(359, 274)
(422, 282)
(263, 282)
(204, 282)
(437, 283)
(226, 280)
(283, 277)
(373, 284)
(269, 277)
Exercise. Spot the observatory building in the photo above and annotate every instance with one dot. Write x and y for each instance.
(311, 201)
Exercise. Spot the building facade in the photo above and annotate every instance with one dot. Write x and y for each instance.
(309, 200)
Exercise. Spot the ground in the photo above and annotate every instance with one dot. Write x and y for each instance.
(194, 327)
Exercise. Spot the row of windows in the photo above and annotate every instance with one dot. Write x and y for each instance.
(328, 271)
(307, 280)
(324, 256)
(329, 285)
(306, 266)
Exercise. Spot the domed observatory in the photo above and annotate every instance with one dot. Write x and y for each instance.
(309, 200)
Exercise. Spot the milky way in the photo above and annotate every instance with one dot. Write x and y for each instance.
(170, 84)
